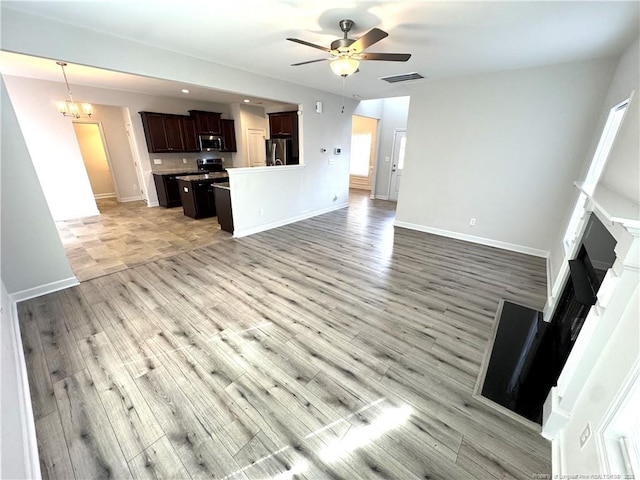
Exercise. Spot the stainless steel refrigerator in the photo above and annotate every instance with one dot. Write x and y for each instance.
(278, 151)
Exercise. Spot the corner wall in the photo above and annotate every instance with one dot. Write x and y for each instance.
(503, 148)
(33, 259)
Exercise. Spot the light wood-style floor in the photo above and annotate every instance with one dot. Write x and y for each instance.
(335, 347)
(128, 234)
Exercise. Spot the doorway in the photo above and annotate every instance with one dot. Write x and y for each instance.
(364, 132)
(397, 163)
(96, 161)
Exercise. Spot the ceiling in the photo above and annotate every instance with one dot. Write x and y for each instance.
(446, 39)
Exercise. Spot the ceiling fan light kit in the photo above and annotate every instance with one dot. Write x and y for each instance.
(347, 53)
(344, 66)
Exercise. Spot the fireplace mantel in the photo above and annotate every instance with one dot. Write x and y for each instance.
(621, 216)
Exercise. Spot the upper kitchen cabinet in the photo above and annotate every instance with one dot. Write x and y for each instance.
(283, 124)
(190, 134)
(166, 133)
(229, 135)
(207, 122)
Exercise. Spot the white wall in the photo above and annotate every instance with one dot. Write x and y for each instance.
(12, 464)
(503, 148)
(53, 148)
(621, 173)
(30, 248)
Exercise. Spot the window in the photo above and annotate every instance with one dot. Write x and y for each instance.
(360, 154)
(403, 142)
(595, 170)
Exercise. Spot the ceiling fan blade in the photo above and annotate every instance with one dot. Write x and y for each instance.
(372, 36)
(389, 57)
(312, 45)
(309, 61)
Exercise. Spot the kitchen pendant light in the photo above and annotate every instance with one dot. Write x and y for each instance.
(344, 65)
(69, 108)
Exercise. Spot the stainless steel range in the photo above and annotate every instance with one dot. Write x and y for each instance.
(210, 165)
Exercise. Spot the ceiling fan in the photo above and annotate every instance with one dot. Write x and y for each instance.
(346, 53)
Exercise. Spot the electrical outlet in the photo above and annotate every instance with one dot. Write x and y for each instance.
(157, 161)
(386, 159)
(586, 433)
(331, 161)
(472, 222)
(261, 211)
(184, 160)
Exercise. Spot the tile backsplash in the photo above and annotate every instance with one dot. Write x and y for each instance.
(173, 161)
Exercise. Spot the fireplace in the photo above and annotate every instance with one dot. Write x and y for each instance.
(527, 353)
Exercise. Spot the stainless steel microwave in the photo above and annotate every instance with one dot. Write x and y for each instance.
(211, 143)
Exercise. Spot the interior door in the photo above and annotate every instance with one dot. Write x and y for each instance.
(256, 147)
(397, 164)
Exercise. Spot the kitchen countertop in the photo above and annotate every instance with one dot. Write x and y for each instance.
(184, 171)
(205, 176)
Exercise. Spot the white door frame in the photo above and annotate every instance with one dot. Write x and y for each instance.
(394, 146)
(135, 155)
(106, 153)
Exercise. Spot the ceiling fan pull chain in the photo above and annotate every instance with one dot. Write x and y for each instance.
(344, 79)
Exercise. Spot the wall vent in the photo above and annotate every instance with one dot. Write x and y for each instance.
(403, 77)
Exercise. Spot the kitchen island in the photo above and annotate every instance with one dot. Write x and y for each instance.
(196, 193)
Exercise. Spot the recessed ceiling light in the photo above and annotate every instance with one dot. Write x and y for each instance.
(184, 90)
(246, 100)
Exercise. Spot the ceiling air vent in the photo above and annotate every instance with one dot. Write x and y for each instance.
(403, 77)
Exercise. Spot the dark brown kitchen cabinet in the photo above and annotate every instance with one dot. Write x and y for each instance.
(283, 124)
(207, 122)
(163, 132)
(229, 135)
(190, 134)
(167, 190)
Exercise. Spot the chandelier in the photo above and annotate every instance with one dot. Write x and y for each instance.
(69, 108)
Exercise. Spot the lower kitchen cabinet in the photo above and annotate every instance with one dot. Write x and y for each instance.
(168, 190)
(222, 195)
(197, 196)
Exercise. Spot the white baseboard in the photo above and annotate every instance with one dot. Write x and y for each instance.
(129, 199)
(382, 197)
(473, 239)
(286, 221)
(25, 411)
(44, 289)
(153, 204)
(100, 196)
